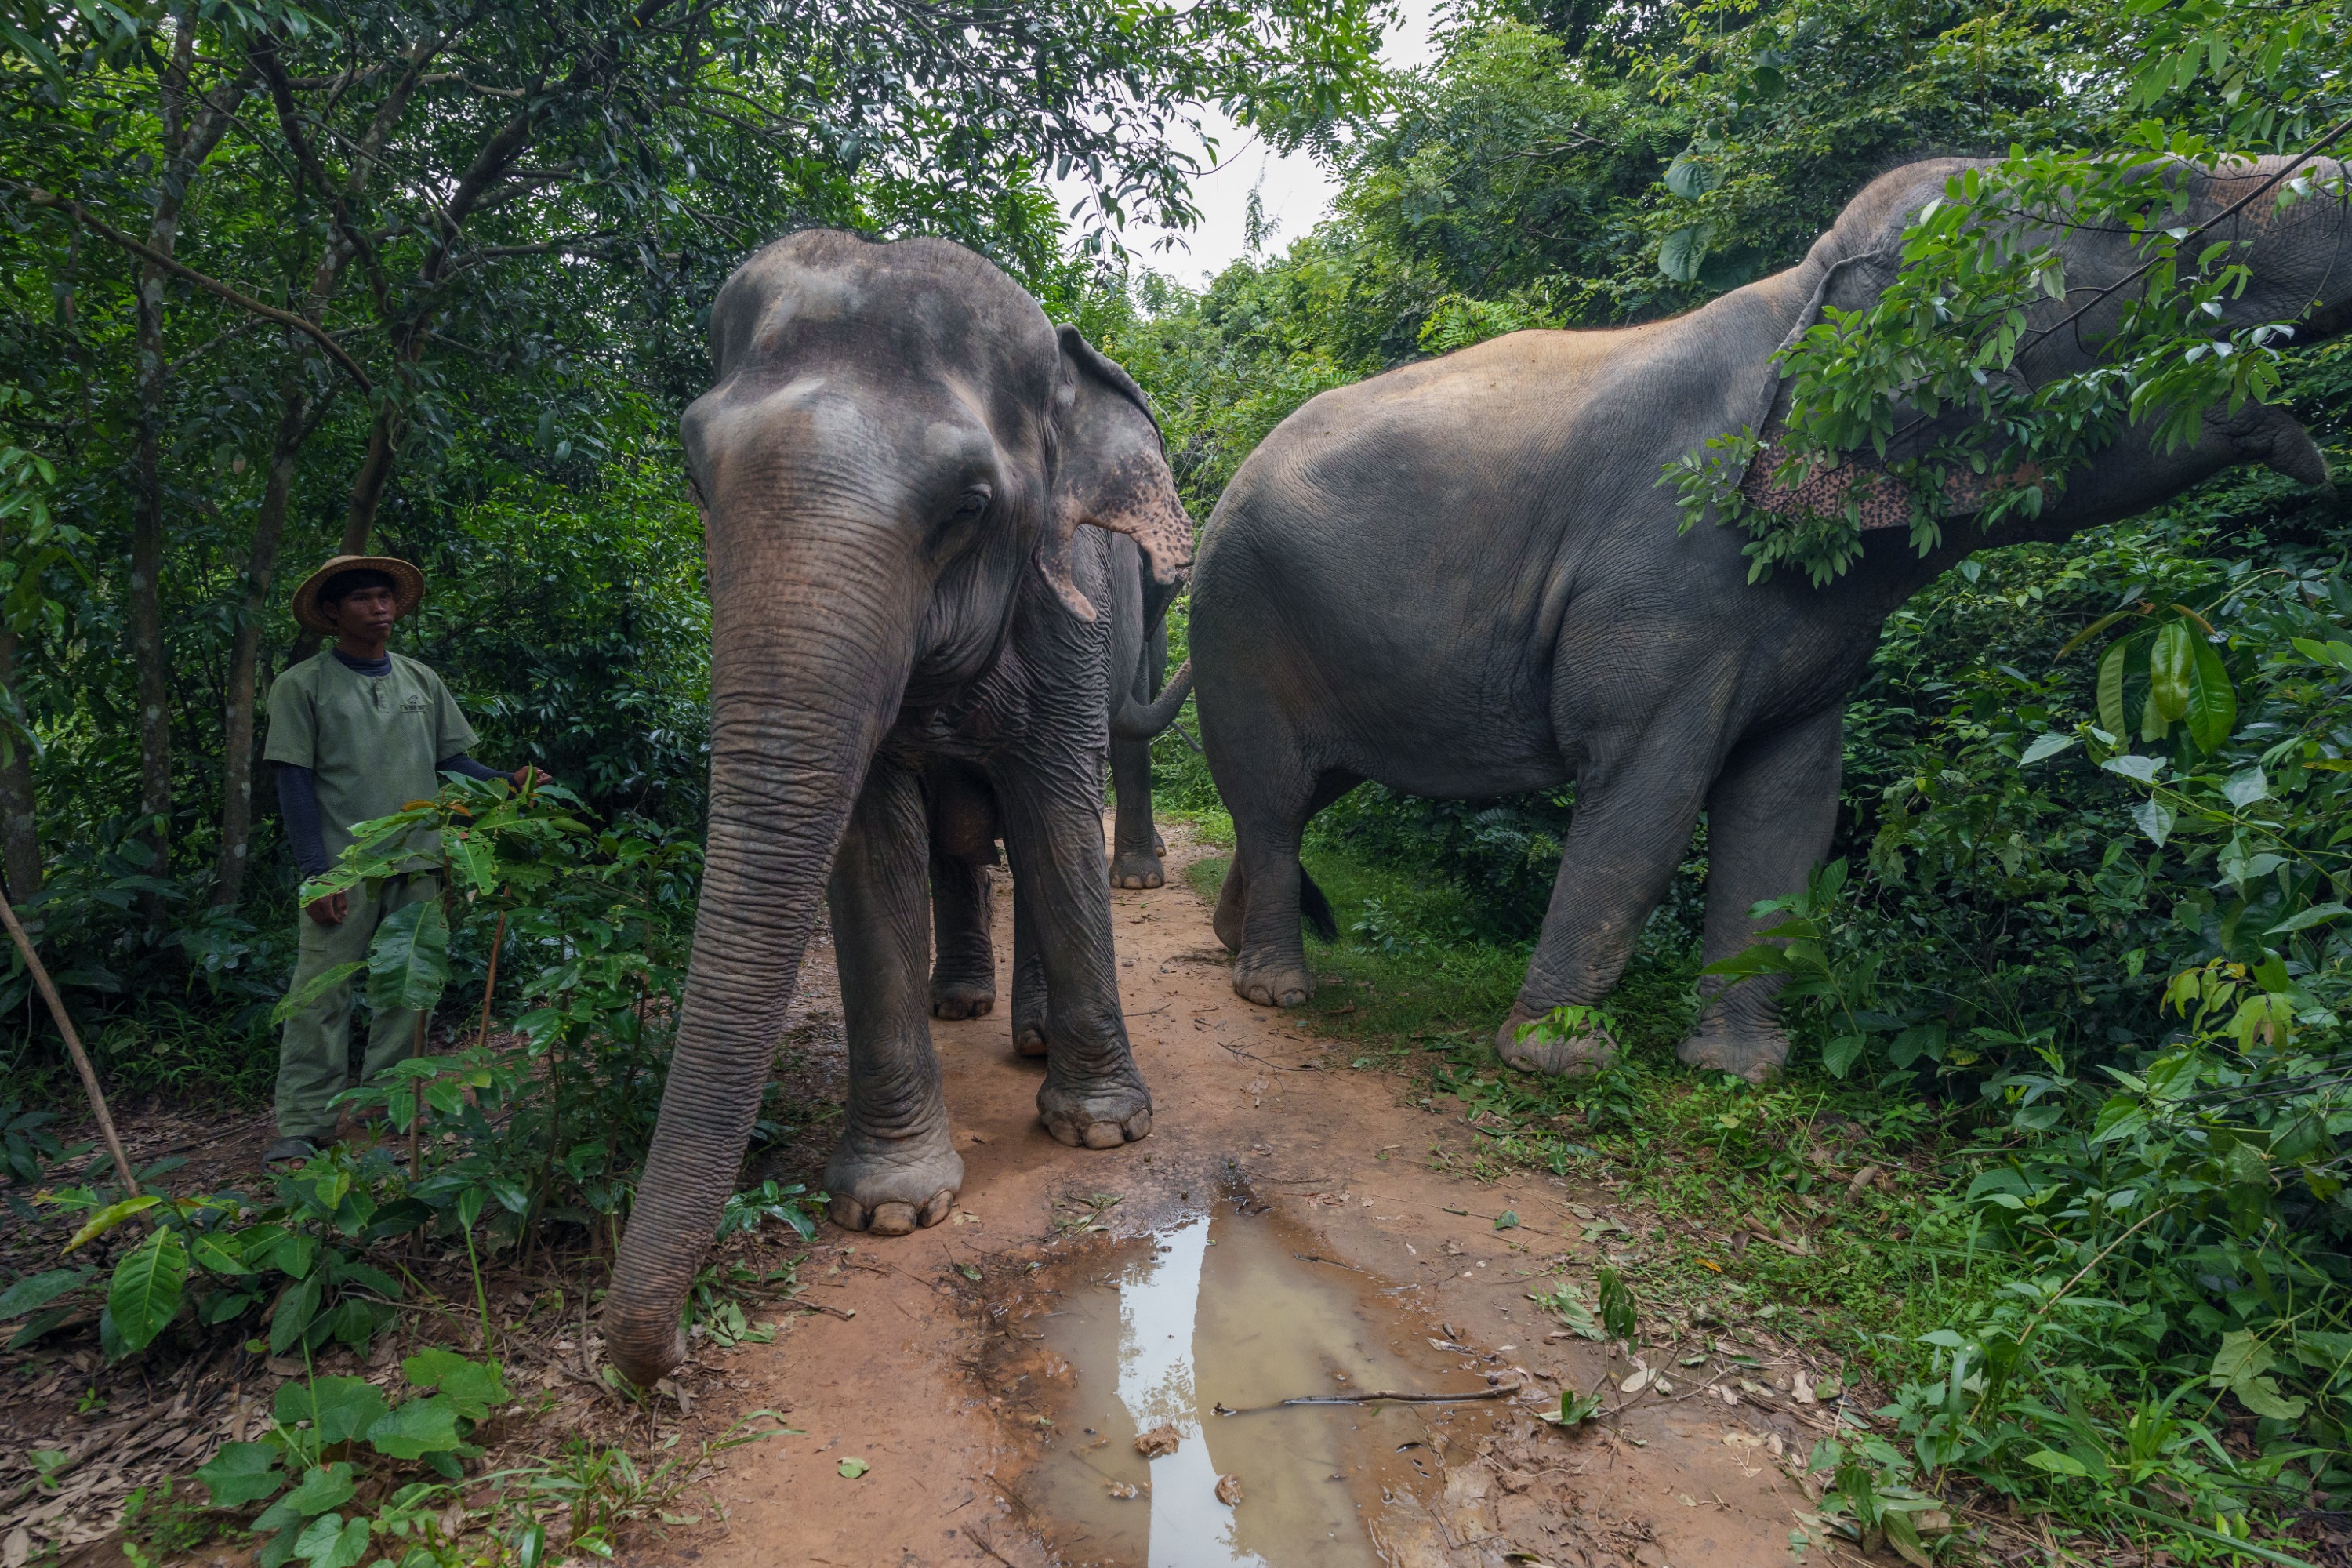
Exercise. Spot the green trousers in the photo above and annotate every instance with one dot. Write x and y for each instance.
(314, 1054)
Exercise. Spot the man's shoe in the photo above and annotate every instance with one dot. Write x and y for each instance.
(290, 1151)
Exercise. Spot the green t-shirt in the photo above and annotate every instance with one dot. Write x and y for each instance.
(370, 741)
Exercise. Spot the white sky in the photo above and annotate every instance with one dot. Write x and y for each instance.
(1294, 191)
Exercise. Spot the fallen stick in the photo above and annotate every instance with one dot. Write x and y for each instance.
(1502, 1391)
(73, 1047)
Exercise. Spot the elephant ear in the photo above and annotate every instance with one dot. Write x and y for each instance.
(1110, 471)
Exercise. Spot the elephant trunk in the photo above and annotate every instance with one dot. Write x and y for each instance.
(809, 659)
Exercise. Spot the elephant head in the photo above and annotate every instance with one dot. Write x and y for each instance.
(2300, 259)
(896, 439)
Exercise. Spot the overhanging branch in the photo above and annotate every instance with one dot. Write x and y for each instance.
(113, 235)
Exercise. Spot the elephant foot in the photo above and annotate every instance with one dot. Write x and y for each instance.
(963, 998)
(1029, 1040)
(1279, 983)
(1159, 846)
(1133, 868)
(1562, 1058)
(1096, 1113)
(1755, 1055)
(893, 1186)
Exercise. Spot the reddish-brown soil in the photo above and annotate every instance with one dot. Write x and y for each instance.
(1248, 1096)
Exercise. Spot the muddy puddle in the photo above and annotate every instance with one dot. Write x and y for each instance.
(1228, 1312)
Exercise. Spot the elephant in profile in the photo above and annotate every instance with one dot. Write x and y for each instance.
(893, 468)
(1461, 579)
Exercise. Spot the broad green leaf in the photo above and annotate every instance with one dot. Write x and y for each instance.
(2111, 688)
(318, 986)
(324, 1488)
(420, 1427)
(2302, 920)
(110, 1216)
(2263, 1397)
(2247, 787)
(332, 1542)
(2057, 1464)
(2048, 745)
(242, 1473)
(1691, 178)
(1840, 1054)
(2241, 1356)
(2212, 706)
(851, 1468)
(2135, 767)
(34, 1292)
(408, 962)
(145, 1293)
(1682, 252)
(2155, 819)
(291, 1317)
(211, 1253)
(338, 1408)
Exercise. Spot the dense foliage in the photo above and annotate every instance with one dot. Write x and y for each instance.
(2083, 955)
(281, 282)
(2088, 913)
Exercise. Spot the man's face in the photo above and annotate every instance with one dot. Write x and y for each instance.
(365, 614)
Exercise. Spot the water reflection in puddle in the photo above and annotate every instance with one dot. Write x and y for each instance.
(1221, 1312)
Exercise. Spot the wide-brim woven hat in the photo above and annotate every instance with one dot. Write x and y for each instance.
(408, 587)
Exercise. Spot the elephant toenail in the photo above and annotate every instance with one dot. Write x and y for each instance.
(848, 1214)
(983, 1007)
(1029, 1043)
(1138, 1127)
(1104, 1135)
(893, 1219)
(936, 1209)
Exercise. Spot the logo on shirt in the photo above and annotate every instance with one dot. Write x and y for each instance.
(414, 702)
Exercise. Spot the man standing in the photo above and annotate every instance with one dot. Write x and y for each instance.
(357, 733)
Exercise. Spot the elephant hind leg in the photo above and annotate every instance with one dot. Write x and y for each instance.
(1770, 819)
(1276, 895)
(962, 820)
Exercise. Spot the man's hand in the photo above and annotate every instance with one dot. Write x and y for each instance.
(530, 773)
(329, 910)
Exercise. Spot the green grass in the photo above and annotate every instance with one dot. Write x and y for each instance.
(1412, 991)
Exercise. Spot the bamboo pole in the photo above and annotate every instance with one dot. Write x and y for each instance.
(73, 1047)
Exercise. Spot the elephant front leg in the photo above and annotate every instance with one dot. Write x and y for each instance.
(895, 1169)
(1769, 822)
(1093, 1095)
(964, 968)
(1628, 834)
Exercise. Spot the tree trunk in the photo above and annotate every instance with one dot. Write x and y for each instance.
(194, 123)
(147, 561)
(20, 838)
(261, 566)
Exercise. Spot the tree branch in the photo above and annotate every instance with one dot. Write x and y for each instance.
(108, 232)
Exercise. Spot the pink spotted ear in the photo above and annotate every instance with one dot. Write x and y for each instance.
(1110, 474)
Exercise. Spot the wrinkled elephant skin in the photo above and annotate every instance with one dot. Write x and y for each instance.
(1461, 579)
(895, 469)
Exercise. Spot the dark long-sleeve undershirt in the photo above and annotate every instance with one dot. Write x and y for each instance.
(298, 802)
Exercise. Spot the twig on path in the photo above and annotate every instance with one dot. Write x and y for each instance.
(1501, 1391)
(808, 1306)
(988, 1546)
(73, 1045)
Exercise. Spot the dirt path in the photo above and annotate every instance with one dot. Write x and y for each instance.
(1243, 1095)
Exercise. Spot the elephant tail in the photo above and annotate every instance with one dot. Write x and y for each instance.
(1141, 721)
(1316, 907)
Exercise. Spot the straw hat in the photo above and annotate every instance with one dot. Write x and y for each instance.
(408, 587)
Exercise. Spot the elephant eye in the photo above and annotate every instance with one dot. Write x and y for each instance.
(972, 503)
